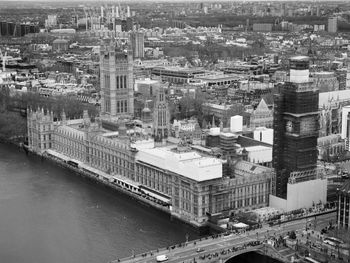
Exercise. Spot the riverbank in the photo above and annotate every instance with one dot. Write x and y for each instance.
(50, 214)
(122, 185)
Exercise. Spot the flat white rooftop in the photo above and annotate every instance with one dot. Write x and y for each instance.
(188, 164)
(146, 81)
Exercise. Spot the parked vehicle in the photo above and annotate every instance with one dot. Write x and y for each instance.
(162, 258)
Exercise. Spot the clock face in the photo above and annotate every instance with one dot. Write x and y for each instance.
(289, 126)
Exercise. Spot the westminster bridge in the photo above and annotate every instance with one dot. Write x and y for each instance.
(222, 247)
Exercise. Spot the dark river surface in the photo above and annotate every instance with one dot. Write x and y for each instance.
(48, 214)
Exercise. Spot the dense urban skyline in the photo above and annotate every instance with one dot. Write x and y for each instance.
(230, 118)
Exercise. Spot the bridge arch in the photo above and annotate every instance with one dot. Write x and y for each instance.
(251, 256)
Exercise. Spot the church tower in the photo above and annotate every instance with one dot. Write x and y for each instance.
(161, 119)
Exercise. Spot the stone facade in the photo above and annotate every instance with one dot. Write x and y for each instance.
(262, 116)
(178, 176)
(116, 80)
(40, 128)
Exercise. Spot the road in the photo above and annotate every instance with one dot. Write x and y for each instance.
(188, 252)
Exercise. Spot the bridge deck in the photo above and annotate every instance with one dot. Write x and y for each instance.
(214, 248)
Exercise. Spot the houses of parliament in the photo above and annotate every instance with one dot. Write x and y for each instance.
(189, 181)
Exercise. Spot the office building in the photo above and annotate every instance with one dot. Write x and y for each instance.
(262, 27)
(332, 24)
(116, 80)
(283, 9)
(138, 44)
(51, 21)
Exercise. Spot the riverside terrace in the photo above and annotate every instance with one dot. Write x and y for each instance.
(228, 245)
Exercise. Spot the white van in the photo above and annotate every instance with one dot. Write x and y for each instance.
(162, 258)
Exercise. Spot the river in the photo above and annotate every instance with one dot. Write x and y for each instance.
(48, 214)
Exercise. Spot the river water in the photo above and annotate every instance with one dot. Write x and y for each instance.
(48, 214)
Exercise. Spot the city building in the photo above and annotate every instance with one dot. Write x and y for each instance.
(60, 45)
(147, 87)
(262, 116)
(221, 111)
(116, 80)
(138, 44)
(295, 140)
(219, 79)
(341, 77)
(177, 74)
(263, 134)
(331, 106)
(187, 130)
(198, 188)
(262, 27)
(345, 131)
(330, 147)
(332, 24)
(258, 154)
(325, 81)
(51, 21)
(343, 210)
(146, 114)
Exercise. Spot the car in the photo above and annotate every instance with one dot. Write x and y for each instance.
(200, 249)
(162, 258)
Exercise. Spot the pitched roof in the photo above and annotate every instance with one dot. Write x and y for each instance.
(262, 106)
(268, 98)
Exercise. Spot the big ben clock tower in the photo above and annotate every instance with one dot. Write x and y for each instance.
(295, 126)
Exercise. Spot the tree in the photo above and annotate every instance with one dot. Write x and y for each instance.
(72, 107)
(12, 125)
(191, 107)
(292, 235)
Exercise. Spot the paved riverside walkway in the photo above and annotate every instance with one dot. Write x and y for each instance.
(220, 247)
